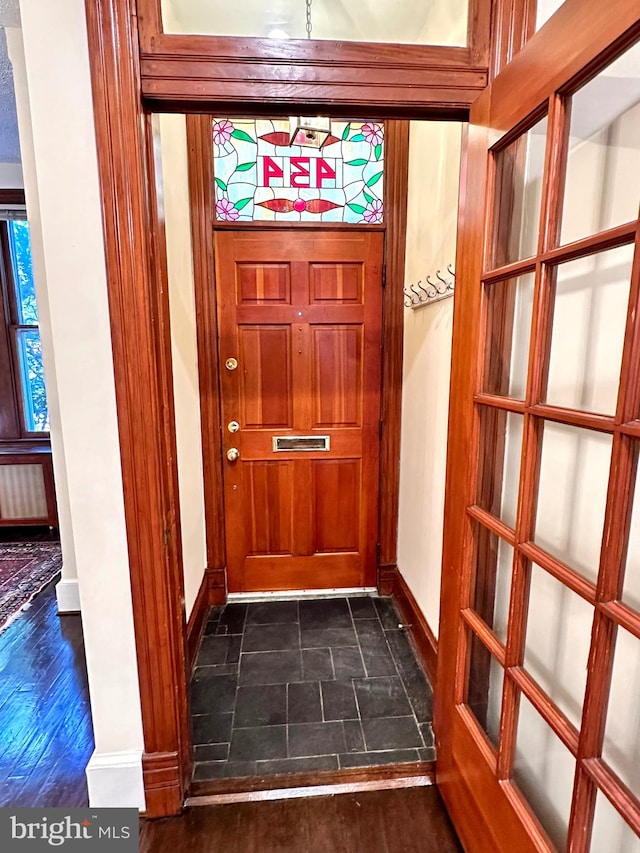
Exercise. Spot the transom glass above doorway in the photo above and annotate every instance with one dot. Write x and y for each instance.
(398, 21)
(259, 176)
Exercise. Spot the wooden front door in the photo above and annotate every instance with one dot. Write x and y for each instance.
(299, 328)
(537, 712)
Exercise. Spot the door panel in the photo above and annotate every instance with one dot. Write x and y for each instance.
(336, 283)
(263, 283)
(337, 375)
(543, 451)
(268, 507)
(300, 313)
(266, 393)
(336, 497)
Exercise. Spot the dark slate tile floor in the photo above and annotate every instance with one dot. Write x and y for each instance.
(293, 686)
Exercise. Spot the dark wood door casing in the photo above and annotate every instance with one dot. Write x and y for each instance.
(357, 78)
(205, 284)
(138, 307)
(139, 310)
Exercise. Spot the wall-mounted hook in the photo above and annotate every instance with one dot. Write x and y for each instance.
(433, 291)
(417, 300)
(433, 288)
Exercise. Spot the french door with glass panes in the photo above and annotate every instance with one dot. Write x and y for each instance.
(538, 695)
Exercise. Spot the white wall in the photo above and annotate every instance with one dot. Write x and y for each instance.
(184, 351)
(67, 590)
(57, 66)
(434, 165)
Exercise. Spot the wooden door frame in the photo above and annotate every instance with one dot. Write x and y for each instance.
(197, 70)
(125, 89)
(203, 225)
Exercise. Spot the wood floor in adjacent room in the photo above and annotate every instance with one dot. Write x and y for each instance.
(408, 820)
(45, 724)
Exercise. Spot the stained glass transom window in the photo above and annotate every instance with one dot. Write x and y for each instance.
(260, 177)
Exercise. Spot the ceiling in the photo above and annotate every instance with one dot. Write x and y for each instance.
(9, 140)
(9, 13)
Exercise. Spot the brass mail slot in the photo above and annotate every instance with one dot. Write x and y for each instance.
(288, 443)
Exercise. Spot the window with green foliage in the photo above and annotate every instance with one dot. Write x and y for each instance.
(23, 372)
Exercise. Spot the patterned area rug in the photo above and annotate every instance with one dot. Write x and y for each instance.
(25, 568)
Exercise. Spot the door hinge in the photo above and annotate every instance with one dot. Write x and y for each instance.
(380, 427)
(384, 275)
(378, 553)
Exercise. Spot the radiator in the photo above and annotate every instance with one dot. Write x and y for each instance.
(22, 492)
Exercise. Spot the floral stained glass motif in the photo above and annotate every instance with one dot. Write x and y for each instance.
(260, 177)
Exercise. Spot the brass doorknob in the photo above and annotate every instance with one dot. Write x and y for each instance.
(232, 454)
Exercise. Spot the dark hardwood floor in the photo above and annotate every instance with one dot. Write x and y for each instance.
(407, 820)
(28, 534)
(45, 724)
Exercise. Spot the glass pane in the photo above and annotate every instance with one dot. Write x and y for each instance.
(610, 832)
(32, 374)
(259, 176)
(604, 151)
(509, 304)
(402, 21)
(484, 688)
(621, 749)
(499, 475)
(589, 320)
(631, 588)
(557, 642)
(574, 474)
(492, 584)
(23, 271)
(519, 169)
(543, 770)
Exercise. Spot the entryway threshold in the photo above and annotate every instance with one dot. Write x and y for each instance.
(318, 784)
(290, 595)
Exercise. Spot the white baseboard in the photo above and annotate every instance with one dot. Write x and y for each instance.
(68, 595)
(114, 780)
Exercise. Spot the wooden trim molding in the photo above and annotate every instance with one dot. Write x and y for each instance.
(139, 311)
(397, 180)
(196, 622)
(423, 638)
(396, 87)
(201, 184)
(186, 73)
(387, 578)
(212, 592)
(513, 24)
(355, 77)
